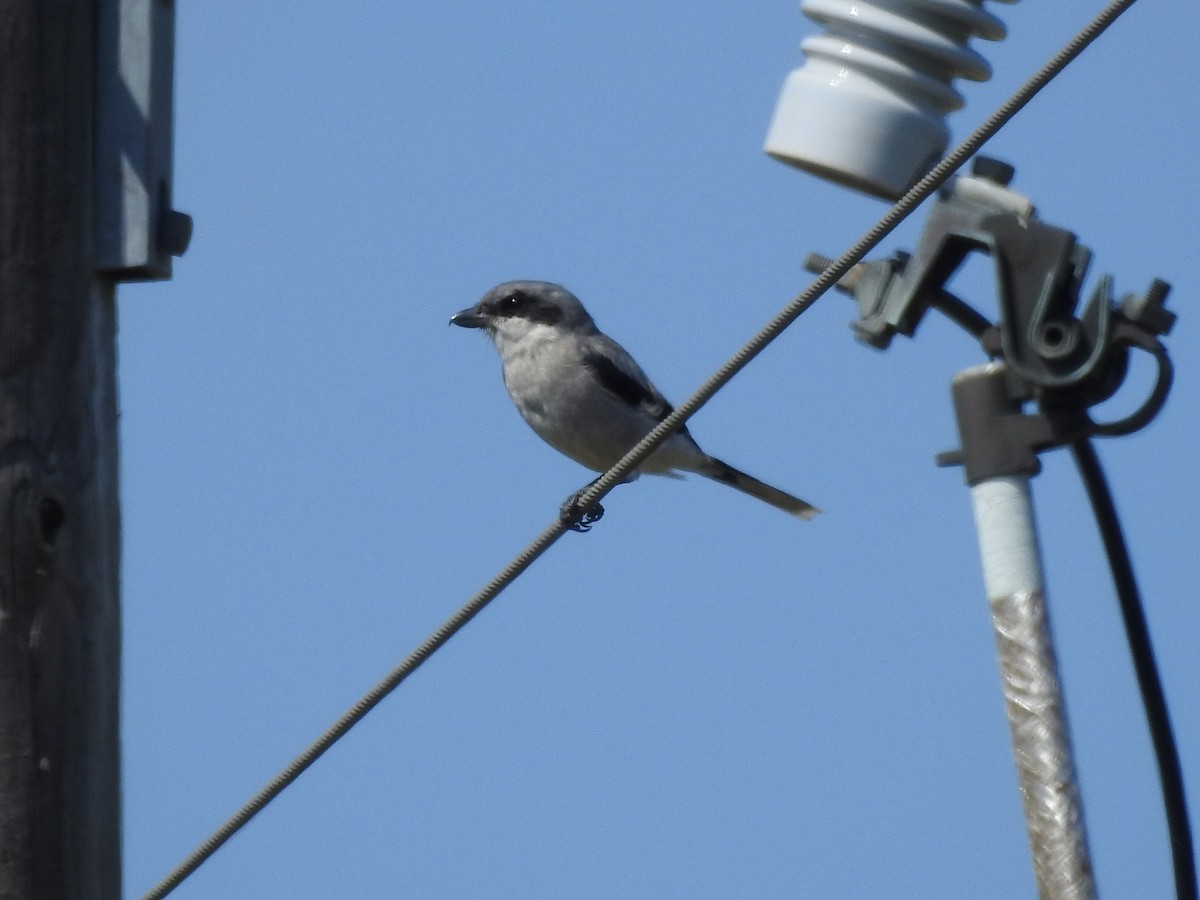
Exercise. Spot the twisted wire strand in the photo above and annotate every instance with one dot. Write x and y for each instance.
(618, 473)
(355, 714)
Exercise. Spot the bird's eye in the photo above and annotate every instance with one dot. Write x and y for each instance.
(513, 302)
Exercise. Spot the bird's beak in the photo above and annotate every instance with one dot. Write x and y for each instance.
(468, 318)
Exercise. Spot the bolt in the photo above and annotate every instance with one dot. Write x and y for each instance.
(993, 170)
(174, 232)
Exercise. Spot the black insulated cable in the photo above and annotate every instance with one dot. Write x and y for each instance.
(1137, 632)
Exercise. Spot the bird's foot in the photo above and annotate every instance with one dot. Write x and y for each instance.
(577, 519)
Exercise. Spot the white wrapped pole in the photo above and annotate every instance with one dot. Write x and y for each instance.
(1032, 694)
(1012, 576)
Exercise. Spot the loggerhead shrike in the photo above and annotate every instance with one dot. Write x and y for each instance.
(585, 396)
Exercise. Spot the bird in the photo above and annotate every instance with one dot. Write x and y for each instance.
(586, 397)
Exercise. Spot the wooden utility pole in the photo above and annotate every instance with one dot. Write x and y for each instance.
(86, 102)
(60, 826)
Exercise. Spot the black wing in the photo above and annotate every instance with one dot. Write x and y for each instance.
(634, 389)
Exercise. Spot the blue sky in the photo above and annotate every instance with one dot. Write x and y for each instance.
(702, 697)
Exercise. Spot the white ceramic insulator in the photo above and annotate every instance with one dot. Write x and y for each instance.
(868, 107)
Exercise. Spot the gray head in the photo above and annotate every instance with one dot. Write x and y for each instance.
(520, 306)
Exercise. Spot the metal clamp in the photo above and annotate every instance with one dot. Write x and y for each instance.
(1067, 360)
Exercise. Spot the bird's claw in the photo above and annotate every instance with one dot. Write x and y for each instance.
(577, 519)
(588, 518)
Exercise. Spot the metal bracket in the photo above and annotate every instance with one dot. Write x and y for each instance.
(1066, 361)
(137, 231)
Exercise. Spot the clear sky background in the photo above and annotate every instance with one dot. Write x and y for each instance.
(702, 697)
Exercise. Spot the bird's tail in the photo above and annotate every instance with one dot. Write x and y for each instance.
(727, 474)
